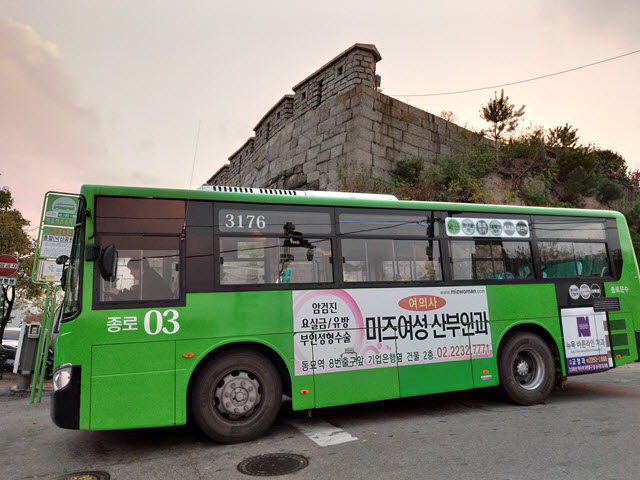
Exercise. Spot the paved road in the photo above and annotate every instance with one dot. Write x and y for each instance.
(588, 430)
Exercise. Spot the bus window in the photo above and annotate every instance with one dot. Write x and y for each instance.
(593, 257)
(490, 260)
(148, 269)
(398, 224)
(269, 219)
(390, 260)
(518, 259)
(262, 260)
(569, 228)
(573, 259)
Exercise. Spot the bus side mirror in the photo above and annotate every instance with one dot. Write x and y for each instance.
(62, 260)
(63, 278)
(108, 262)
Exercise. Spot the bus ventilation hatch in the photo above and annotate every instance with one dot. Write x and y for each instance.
(299, 193)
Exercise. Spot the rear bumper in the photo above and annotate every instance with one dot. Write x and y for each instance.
(65, 403)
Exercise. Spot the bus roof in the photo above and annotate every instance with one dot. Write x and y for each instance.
(318, 198)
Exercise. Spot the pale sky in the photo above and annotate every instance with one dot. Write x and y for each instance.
(113, 92)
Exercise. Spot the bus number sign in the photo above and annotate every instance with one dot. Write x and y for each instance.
(153, 323)
(244, 221)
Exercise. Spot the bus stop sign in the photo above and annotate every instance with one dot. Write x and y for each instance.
(8, 265)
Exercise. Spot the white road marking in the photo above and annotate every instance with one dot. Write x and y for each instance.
(323, 433)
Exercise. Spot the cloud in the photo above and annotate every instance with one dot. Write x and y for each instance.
(46, 136)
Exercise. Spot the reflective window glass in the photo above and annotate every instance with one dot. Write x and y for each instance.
(262, 260)
(264, 219)
(569, 228)
(573, 259)
(490, 260)
(137, 215)
(390, 260)
(388, 224)
(148, 269)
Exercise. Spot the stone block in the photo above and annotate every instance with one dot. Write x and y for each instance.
(326, 126)
(342, 117)
(294, 181)
(371, 114)
(331, 142)
(379, 173)
(418, 131)
(357, 143)
(366, 133)
(359, 156)
(360, 121)
(285, 165)
(309, 167)
(324, 156)
(409, 150)
(382, 163)
(384, 140)
(414, 141)
(304, 143)
(378, 150)
(339, 108)
(336, 151)
(312, 152)
(399, 124)
(299, 159)
(395, 133)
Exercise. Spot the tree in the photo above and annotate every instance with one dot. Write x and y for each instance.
(565, 136)
(504, 117)
(15, 241)
(449, 116)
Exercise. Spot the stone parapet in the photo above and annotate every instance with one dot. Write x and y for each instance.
(336, 120)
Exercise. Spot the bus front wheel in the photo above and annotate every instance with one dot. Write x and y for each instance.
(526, 367)
(236, 396)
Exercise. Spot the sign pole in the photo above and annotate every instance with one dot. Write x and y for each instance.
(57, 221)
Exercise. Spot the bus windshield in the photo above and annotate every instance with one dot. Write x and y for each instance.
(71, 302)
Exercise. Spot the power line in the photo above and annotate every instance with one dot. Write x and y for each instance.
(519, 81)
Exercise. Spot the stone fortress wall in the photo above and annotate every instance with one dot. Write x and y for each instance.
(336, 119)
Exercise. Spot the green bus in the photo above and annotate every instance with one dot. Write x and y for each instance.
(217, 301)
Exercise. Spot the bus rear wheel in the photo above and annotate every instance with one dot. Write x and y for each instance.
(236, 396)
(526, 368)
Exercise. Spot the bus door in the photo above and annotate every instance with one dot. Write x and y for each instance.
(435, 338)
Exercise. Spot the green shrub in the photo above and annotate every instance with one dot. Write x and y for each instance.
(409, 170)
(536, 193)
(608, 190)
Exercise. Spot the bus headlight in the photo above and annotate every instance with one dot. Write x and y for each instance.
(61, 377)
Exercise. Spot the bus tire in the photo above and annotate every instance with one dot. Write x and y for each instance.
(236, 396)
(526, 368)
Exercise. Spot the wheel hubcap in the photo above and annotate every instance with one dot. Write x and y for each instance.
(522, 368)
(528, 369)
(237, 395)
